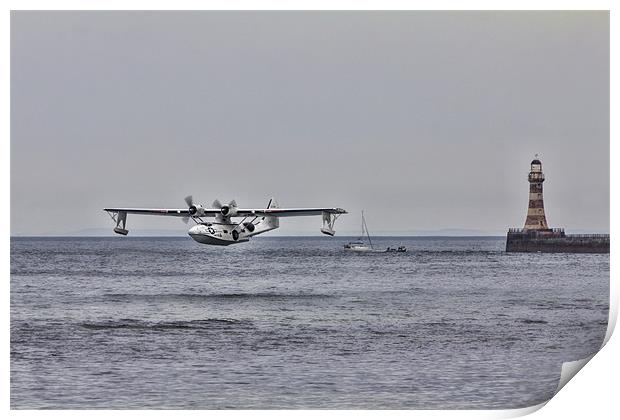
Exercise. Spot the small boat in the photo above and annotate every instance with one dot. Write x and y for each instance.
(399, 249)
(357, 246)
(360, 245)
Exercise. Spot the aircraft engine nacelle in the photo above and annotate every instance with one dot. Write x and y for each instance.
(249, 226)
(229, 211)
(196, 210)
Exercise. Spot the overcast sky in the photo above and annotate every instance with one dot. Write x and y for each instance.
(426, 120)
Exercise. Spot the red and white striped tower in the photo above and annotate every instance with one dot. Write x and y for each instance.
(536, 219)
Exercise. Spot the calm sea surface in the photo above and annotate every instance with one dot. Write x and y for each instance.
(296, 323)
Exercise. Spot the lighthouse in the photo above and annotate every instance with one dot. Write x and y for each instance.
(536, 219)
(536, 236)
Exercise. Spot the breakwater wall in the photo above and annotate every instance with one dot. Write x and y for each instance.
(555, 240)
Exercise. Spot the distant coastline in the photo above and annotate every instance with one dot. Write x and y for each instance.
(174, 233)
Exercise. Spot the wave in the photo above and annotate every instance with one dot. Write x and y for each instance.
(196, 324)
(212, 296)
(532, 321)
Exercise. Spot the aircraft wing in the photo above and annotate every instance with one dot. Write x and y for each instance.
(291, 212)
(155, 212)
(329, 214)
(119, 215)
(277, 212)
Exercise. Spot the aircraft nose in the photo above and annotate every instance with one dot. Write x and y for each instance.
(194, 230)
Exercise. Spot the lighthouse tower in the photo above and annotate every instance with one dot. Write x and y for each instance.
(536, 235)
(536, 219)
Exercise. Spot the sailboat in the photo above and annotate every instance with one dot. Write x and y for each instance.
(359, 245)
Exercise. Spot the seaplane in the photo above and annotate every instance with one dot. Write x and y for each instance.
(227, 224)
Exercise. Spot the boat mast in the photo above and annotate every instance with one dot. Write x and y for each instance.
(362, 234)
(366, 227)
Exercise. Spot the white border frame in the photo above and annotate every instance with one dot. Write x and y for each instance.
(592, 394)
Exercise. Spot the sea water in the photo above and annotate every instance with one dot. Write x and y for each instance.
(297, 323)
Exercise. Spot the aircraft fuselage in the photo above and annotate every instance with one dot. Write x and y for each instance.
(224, 234)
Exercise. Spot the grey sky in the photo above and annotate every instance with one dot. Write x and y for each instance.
(427, 120)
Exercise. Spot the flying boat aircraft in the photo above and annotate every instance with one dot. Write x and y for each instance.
(215, 225)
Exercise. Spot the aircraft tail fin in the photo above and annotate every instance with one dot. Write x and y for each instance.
(273, 204)
(272, 221)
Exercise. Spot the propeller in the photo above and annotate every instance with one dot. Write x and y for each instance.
(189, 200)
